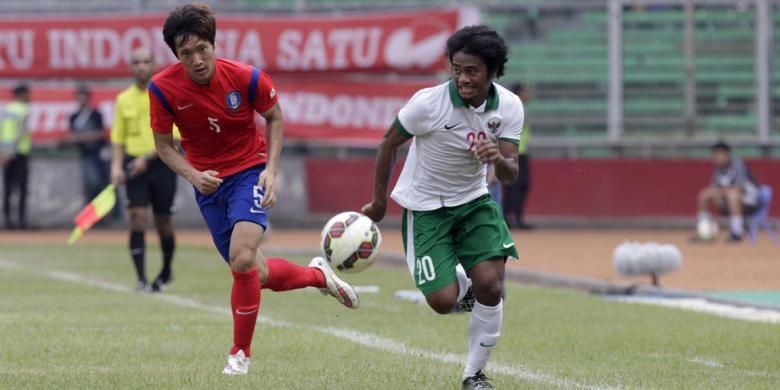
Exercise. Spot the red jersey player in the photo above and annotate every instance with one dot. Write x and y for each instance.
(231, 166)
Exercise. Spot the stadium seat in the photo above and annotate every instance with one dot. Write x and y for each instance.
(760, 219)
(570, 55)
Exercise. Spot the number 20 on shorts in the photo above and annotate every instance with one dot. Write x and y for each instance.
(425, 270)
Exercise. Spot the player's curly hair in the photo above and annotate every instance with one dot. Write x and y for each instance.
(483, 42)
(189, 20)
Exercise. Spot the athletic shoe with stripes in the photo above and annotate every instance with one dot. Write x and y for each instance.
(237, 364)
(477, 382)
(339, 289)
(467, 303)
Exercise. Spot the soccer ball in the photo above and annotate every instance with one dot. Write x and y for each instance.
(350, 242)
(707, 229)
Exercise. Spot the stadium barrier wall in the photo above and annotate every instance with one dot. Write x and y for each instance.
(55, 195)
(592, 189)
(312, 189)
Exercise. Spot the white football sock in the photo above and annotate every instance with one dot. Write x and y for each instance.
(484, 331)
(463, 281)
(736, 223)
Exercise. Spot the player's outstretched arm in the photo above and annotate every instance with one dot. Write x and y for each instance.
(206, 182)
(385, 161)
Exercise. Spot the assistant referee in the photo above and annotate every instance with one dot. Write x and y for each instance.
(147, 179)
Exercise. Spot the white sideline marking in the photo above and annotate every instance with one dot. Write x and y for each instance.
(712, 363)
(370, 289)
(6, 265)
(706, 362)
(365, 339)
(390, 345)
(704, 306)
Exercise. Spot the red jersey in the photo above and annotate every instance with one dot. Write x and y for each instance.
(216, 121)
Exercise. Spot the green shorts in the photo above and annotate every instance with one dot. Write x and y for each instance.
(435, 241)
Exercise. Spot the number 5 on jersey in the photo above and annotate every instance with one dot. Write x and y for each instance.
(213, 125)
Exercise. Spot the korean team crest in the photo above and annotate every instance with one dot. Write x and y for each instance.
(493, 125)
(233, 100)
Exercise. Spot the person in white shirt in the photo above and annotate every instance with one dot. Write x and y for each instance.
(455, 236)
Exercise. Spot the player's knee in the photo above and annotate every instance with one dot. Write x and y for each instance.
(242, 260)
(733, 195)
(137, 223)
(442, 307)
(709, 194)
(164, 225)
(490, 293)
(441, 304)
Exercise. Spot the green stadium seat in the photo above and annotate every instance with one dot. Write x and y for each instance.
(572, 57)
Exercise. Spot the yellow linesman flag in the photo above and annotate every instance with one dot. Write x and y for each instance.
(93, 212)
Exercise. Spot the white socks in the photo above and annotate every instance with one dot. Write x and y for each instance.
(484, 331)
(736, 223)
(463, 281)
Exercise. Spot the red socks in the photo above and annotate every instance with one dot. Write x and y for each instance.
(245, 303)
(284, 275)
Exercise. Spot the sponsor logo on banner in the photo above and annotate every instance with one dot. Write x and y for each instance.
(101, 46)
(420, 45)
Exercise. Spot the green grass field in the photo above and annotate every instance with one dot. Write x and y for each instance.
(69, 319)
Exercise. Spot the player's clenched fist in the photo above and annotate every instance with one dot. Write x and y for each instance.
(206, 182)
(487, 152)
(375, 210)
(266, 181)
(117, 176)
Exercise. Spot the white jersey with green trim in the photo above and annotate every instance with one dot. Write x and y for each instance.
(441, 169)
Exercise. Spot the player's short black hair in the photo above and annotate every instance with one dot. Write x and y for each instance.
(483, 42)
(21, 89)
(721, 146)
(189, 20)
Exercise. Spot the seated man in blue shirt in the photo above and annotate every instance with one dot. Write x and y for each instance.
(733, 191)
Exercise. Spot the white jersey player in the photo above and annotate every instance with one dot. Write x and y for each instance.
(449, 221)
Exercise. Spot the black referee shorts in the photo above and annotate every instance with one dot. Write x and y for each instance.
(156, 186)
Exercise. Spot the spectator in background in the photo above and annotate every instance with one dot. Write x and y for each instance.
(86, 132)
(733, 191)
(515, 194)
(15, 144)
(147, 179)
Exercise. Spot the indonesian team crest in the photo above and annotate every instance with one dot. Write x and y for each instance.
(233, 100)
(493, 125)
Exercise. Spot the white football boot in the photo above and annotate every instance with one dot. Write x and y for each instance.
(237, 364)
(339, 289)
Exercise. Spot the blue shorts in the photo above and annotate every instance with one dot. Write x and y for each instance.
(236, 199)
